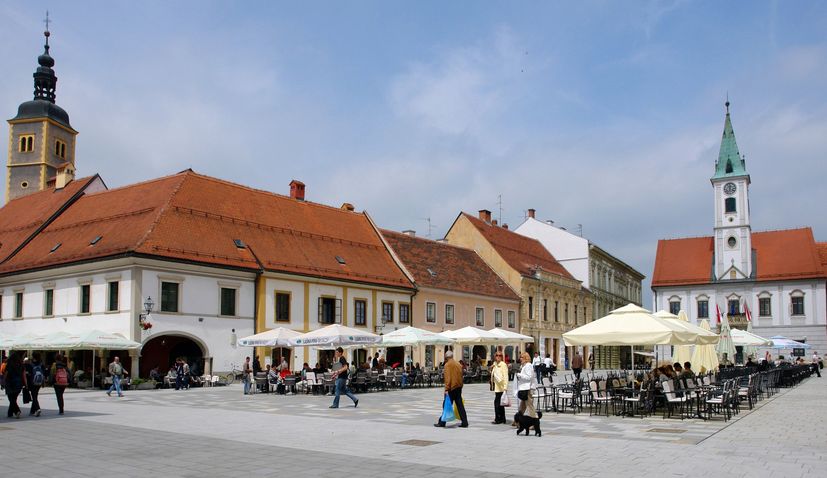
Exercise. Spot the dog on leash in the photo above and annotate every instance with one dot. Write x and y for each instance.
(525, 422)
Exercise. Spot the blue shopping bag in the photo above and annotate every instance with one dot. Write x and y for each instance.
(447, 410)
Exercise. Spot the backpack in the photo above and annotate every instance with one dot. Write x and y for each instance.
(37, 375)
(61, 377)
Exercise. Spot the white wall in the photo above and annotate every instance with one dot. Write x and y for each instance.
(570, 250)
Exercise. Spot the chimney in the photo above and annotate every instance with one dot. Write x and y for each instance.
(531, 213)
(485, 215)
(297, 190)
(409, 232)
(494, 222)
(347, 206)
(64, 176)
(505, 226)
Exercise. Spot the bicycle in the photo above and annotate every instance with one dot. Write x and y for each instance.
(233, 375)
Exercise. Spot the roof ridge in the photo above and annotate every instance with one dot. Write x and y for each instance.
(50, 190)
(139, 183)
(426, 239)
(162, 210)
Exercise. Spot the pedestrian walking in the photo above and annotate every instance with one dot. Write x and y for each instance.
(117, 372)
(35, 377)
(453, 388)
(591, 361)
(179, 373)
(538, 366)
(525, 381)
(15, 379)
(61, 378)
(499, 376)
(247, 379)
(340, 376)
(577, 364)
(817, 363)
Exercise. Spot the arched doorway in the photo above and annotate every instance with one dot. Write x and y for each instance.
(161, 352)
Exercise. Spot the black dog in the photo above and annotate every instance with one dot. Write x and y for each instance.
(527, 422)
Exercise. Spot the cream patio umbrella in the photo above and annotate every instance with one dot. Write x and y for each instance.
(704, 355)
(725, 345)
(751, 350)
(471, 335)
(630, 325)
(509, 337)
(278, 337)
(412, 337)
(745, 339)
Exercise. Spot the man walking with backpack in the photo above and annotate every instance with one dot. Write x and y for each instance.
(117, 372)
(61, 378)
(35, 376)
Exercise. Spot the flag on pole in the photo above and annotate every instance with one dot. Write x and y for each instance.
(718, 314)
(746, 311)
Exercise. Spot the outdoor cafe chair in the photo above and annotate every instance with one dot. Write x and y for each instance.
(717, 401)
(290, 385)
(673, 399)
(206, 380)
(598, 397)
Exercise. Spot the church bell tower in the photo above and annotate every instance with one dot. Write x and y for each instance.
(733, 233)
(41, 140)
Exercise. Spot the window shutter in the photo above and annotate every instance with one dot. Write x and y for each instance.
(321, 310)
(338, 311)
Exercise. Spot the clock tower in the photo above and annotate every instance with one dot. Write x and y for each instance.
(733, 242)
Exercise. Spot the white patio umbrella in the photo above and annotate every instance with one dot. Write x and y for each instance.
(704, 355)
(92, 340)
(471, 335)
(412, 337)
(752, 350)
(783, 343)
(746, 339)
(725, 345)
(278, 337)
(335, 335)
(509, 337)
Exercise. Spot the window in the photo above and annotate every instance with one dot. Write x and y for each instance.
(228, 301)
(703, 309)
(729, 205)
(282, 307)
(360, 312)
(480, 317)
(85, 298)
(575, 313)
(449, 313)
(545, 310)
(387, 312)
(567, 312)
(404, 313)
(49, 302)
(498, 318)
(798, 305)
(60, 149)
(512, 319)
(112, 297)
(734, 306)
(169, 296)
(674, 307)
(430, 312)
(764, 307)
(330, 310)
(18, 305)
(557, 311)
(530, 308)
(26, 143)
(732, 242)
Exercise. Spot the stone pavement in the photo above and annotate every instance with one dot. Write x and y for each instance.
(220, 432)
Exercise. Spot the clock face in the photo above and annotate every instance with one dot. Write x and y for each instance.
(729, 188)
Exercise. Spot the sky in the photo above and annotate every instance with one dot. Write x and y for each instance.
(603, 116)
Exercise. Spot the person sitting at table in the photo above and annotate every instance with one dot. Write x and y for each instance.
(669, 371)
(272, 375)
(318, 369)
(687, 370)
(678, 369)
(750, 362)
(405, 377)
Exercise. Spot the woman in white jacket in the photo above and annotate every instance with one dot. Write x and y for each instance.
(525, 383)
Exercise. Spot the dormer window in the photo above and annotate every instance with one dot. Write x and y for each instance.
(60, 149)
(26, 143)
(728, 166)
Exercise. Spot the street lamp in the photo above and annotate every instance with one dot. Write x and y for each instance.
(143, 319)
(148, 305)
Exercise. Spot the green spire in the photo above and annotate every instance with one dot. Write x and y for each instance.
(730, 162)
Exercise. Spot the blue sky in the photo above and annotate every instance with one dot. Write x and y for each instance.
(605, 114)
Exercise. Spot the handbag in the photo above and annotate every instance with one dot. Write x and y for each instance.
(522, 395)
(447, 411)
(505, 400)
(27, 396)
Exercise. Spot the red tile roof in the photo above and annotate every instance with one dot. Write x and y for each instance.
(822, 253)
(444, 266)
(196, 218)
(22, 217)
(780, 255)
(522, 253)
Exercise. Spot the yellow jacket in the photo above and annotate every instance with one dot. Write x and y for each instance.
(499, 375)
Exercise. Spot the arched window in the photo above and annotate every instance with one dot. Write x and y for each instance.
(729, 205)
(797, 302)
(674, 305)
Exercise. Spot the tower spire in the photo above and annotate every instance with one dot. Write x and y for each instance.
(730, 162)
(45, 81)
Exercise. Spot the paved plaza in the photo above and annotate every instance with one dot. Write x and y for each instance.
(220, 432)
